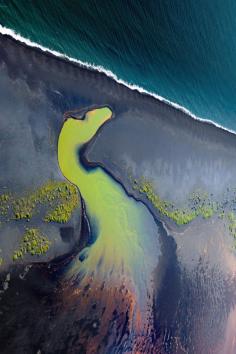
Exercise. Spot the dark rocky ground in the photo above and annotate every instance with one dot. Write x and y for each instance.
(194, 308)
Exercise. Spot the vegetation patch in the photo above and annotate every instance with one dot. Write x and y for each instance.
(56, 200)
(60, 197)
(33, 243)
(232, 225)
(5, 201)
(69, 200)
(200, 205)
(23, 208)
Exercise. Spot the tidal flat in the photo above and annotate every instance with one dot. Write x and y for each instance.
(190, 291)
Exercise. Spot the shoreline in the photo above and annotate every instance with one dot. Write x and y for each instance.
(145, 137)
(7, 32)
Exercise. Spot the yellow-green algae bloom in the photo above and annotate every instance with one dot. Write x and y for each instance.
(126, 245)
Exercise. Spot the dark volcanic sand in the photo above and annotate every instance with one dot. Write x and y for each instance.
(193, 309)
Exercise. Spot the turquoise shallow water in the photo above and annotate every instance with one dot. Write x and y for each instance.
(183, 50)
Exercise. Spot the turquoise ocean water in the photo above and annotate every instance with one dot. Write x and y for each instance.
(183, 50)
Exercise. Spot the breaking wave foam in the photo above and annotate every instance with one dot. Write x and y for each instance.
(9, 32)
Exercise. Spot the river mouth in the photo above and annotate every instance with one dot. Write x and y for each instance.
(105, 291)
(122, 289)
(44, 310)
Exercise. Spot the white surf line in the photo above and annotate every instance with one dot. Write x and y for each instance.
(9, 32)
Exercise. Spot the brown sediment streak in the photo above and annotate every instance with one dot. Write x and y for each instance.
(108, 315)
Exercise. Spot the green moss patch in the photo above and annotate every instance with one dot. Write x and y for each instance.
(56, 200)
(232, 225)
(5, 202)
(69, 200)
(200, 204)
(61, 198)
(33, 243)
(23, 208)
